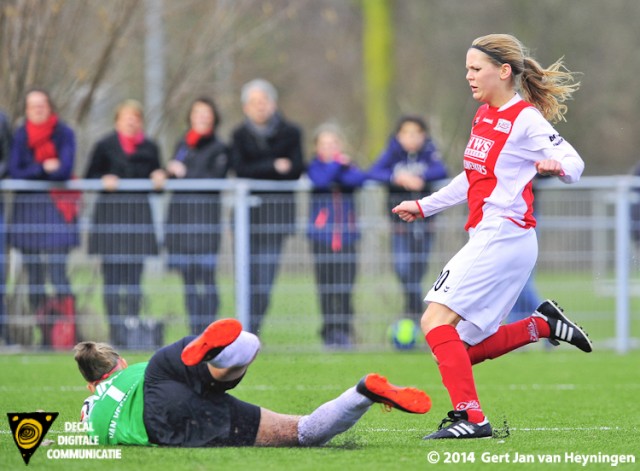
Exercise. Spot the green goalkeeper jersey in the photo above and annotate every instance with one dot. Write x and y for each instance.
(114, 412)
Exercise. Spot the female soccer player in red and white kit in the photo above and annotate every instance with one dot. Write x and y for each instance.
(511, 140)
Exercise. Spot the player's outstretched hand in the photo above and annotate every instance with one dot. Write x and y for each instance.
(549, 167)
(408, 211)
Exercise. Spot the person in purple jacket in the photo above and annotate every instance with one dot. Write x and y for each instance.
(334, 233)
(44, 224)
(5, 149)
(409, 163)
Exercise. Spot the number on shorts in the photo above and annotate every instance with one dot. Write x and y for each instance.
(442, 277)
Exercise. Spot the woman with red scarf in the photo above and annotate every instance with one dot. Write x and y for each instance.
(122, 230)
(44, 225)
(193, 225)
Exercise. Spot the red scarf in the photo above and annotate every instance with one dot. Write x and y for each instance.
(129, 144)
(39, 139)
(67, 202)
(192, 137)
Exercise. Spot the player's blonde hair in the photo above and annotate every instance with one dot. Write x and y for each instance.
(95, 359)
(547, 89)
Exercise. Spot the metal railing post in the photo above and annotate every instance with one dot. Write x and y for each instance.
(241, 249)
(623, 258)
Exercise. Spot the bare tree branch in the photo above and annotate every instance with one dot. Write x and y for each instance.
(115, 31)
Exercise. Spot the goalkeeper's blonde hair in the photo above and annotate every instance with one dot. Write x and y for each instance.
(95, 359)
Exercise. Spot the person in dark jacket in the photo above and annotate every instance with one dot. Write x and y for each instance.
(44, 225)
(193, 225)
(334, 233)
(408, 165)
(122, 229)
(267, 147)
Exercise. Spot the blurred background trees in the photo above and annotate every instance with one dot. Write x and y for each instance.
(361, 63)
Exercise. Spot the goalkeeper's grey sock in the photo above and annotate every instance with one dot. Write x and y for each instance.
(332, 418)
(240, 352)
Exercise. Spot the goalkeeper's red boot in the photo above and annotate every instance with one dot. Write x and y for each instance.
(213, 340)
(378, 389)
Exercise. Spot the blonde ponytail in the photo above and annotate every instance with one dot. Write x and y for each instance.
(547, 89)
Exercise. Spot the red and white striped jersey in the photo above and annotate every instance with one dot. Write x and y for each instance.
(499, 165)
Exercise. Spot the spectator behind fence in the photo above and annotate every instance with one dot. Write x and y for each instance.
(408, 165)
(267, 147)
(44, 224)
(193, 226)
(635, 208)
(122, 231)
(334, 233)
(529, 298)
(5, 149)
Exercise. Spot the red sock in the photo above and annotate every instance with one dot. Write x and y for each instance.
(508, 338)
(455, 369)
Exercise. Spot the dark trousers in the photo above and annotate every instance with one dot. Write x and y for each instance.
(201, 294)
(335, 274)
(184, 405)
(266, 250)
(122, 295)
(526, 303)
(410, 246)
(4, 321)
(48, 265)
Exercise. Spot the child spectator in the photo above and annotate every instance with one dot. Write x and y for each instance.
(334, 233)
(408, 165)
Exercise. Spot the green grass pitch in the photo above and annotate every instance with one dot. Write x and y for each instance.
(555, 402)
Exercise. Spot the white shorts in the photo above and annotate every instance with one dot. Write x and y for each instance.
(481, 283)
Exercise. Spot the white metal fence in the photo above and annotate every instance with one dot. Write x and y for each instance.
(588, 262)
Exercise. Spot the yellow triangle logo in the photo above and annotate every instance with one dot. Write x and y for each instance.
(28, 430)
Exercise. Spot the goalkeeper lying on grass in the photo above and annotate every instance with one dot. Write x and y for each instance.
(179, 397)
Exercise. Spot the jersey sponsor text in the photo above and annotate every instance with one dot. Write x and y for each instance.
(504, 125)
(478, 148)
(475, 166)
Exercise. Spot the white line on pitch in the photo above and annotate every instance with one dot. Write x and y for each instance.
(516, 429)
